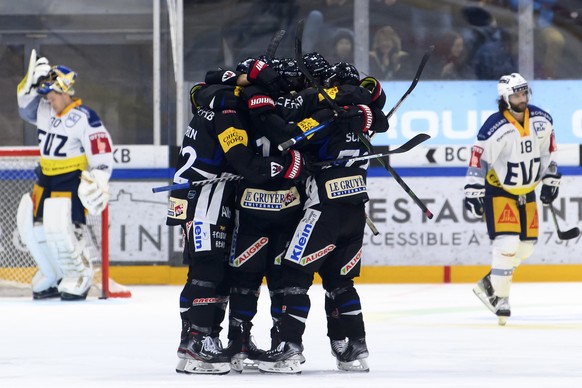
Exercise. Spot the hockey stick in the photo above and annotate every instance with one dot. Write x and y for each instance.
(291, 142)
(566, 234)
(410, 144)
(423, 62)
(275, 40)
(187, 185)
(337, 110)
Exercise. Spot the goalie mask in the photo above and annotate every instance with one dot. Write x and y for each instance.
(60, 79)
(511, 84)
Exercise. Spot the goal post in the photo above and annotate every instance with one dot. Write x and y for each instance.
(17, 267)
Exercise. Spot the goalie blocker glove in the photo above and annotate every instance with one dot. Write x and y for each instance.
(94, 191)
(474, 199)
(550, 188)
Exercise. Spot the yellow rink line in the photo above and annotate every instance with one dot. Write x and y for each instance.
(163, 274)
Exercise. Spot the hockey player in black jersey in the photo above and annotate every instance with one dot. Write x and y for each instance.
(216, 144)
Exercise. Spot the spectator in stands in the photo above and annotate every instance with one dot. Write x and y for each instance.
(322, 22)
(448, 59)
(496, 58)
(386, 54)
(342, 47)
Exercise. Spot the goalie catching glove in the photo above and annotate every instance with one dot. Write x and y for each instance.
(38, 70)
(550, 187)
(474, 199)
(94, 191)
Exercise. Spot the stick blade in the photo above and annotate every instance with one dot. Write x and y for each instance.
(569, 234)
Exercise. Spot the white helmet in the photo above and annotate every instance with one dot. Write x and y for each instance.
(510, 84)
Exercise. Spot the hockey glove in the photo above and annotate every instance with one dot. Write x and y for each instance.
(258, 101)
(355, 118)
(94, 191)
(550, 187)
(265, 76)
(474, 199)
(295, 166)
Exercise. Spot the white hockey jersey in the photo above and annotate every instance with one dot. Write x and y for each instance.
(512, 156)
(73, 140)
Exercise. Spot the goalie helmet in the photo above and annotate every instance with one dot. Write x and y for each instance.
(60, 79)
(511, 84)
(343, 73)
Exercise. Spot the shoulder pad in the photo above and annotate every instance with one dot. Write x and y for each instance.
(491, 125)
(535, 111)
(92, 117)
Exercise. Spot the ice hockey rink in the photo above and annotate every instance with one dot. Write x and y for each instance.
(419, 335)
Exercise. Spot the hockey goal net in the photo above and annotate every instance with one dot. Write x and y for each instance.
(17, 267)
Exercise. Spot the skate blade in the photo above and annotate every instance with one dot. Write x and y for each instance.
(502, 321)
(290, 366)
(181, 365)
(201, 367)
(483, 298)
(359, 365)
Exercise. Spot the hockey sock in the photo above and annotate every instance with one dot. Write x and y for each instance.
(335, 330)
(243, 307)
(202, 312)
(349, 308)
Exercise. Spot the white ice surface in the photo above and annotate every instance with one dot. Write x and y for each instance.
(418, 336)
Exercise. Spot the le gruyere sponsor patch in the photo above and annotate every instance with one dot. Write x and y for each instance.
(177, 208)
(269, 200)
(345, 186)
(232, 137)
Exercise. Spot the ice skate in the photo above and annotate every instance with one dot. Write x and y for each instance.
(202, 356)
(497, 305)
(242, 350)
(285, 358)
(51, 292)
(351, 356)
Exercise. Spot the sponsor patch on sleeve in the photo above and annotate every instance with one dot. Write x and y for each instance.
(99, 143)
(476, 153)
(177, 208)
(232, 137)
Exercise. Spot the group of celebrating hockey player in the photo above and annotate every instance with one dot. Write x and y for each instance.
(251, 210)
(278, 215)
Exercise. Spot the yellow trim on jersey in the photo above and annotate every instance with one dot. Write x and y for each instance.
(523, 130)
(493, 180)
(237, 91)
(53, 167)
(331, 92)
(76, 102)
(231, 137)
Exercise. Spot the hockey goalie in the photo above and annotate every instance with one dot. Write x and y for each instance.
(72, 179)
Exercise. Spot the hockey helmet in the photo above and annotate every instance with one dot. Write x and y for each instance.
(60, 79)
(288, 69)
(343, 73)
(317, 65)
(511, 84)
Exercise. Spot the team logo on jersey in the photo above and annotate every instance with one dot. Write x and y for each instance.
(476, 153)
(507, 216)
(72, 119)
(352, 264)
(276, 169)
(99, 143)
(249, 253)
(345, 186)
(232, 137)
(539, 126)
(228, 75)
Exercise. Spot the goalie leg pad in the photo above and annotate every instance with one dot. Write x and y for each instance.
(33, 236)
(68, 245)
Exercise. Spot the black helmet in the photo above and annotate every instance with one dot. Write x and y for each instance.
(343, 73)
(317, 65)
